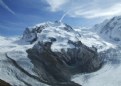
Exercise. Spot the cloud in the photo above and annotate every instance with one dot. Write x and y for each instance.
(6, 7)
(56, 5)
(89, 9)
(97, 13)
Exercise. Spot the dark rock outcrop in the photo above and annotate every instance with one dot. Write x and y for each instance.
(60, 66)
(29, 36)
(3, 83)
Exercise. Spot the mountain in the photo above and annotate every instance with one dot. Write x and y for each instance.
(55, 54)
(49, 53)
(110, 29)
(58, 53)
(109, 49)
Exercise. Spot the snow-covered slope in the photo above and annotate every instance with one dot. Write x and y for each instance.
(15, 67)
(91, 38)
(110, 29)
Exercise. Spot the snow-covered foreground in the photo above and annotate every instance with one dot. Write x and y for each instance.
(109, 74)
(15, 67)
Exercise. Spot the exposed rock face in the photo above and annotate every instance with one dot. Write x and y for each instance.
(3, 83)
(58, 54)
(29, 36)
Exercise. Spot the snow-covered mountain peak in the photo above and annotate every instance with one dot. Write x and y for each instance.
(61, 34)
(49, 24)
(57, 46)
(110, 29)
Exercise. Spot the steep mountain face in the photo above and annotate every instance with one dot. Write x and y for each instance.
(58, 53)
(110, 29)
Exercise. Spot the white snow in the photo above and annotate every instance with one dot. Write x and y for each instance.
(110, 29)
(91, 38)
(8, 71)
(60, 32)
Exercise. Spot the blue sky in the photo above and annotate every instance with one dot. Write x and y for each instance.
(16, 15)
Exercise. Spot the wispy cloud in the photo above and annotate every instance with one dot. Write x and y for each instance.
(89, 9)
(56, 5)
(6, 7)
(98, 12)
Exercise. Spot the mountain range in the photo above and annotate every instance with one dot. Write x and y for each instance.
(56, 54)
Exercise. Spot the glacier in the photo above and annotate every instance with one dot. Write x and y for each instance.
(9, 70)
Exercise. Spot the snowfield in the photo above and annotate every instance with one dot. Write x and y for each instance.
(91, 38)
(16, 69)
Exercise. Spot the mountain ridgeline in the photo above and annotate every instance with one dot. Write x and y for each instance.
(58, 54)
(110, 29)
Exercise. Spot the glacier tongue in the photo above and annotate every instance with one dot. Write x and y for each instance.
(16, 68)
